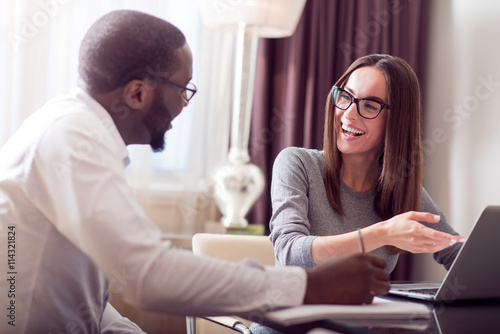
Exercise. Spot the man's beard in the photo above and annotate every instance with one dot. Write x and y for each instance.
(157, 141)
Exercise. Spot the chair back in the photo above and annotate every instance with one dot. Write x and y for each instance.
(234, 247)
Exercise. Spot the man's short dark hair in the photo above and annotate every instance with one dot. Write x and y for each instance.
(125, 45)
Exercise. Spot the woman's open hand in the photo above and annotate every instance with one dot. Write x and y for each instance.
(406, 232)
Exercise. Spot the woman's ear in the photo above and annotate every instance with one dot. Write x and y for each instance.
(137, 95)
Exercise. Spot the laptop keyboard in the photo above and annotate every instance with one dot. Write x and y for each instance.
(430, 291)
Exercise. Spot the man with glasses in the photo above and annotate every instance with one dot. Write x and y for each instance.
(75, 223)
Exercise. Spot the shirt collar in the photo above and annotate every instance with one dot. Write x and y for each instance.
(103, 114)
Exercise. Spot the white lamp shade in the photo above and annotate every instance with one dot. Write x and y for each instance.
(269, 18)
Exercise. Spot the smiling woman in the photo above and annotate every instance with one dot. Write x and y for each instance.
(382, 77)
(365, 187)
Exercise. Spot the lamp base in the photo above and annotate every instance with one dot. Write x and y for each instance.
(237, 187)
(234, 222)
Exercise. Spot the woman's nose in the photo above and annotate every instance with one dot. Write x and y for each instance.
(352, 111)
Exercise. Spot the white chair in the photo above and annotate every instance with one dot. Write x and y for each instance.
(233, 248)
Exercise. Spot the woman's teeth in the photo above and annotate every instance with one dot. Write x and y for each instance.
(351, 132)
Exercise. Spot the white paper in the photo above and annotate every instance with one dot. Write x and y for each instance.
(379, 309)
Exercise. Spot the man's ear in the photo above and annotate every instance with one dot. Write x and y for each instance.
(137, 95)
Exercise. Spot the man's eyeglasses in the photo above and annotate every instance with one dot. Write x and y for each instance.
(367, 108)
(188, 91)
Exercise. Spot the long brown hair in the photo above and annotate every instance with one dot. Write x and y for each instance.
(399, 184)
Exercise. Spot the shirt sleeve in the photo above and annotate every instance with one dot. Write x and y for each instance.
(290, 225)
(447, 255)
(78, 182)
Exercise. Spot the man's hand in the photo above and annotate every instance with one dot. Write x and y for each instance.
(353, 279)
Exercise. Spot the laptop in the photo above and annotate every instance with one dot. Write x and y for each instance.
(475, 273)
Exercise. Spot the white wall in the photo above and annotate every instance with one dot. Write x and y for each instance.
(462, 113)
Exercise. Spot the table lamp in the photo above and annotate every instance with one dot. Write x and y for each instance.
(237, 182)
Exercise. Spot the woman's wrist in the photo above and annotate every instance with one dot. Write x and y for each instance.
(374, 236)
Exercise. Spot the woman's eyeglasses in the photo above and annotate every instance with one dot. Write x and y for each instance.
(367, 108)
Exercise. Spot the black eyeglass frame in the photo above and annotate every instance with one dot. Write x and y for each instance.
(354, 100)
(163, 80)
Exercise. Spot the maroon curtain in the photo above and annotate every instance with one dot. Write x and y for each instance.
(295, 74)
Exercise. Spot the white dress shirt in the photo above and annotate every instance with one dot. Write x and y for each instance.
(66, 207)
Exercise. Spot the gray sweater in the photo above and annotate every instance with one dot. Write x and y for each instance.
(301, 210)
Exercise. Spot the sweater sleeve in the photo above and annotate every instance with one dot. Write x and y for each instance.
(447, 255)
(290, 226)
